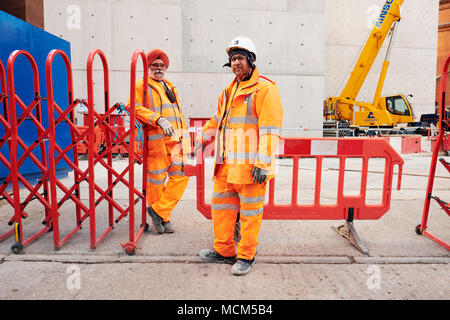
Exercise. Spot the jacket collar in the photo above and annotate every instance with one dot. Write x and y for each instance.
(247, 86)
(157, 84)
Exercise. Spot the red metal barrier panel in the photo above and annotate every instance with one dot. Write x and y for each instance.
(58, 116)
(444, 125)
(98, 159)
(111, 133)
(114, 176)
(32, 114)
(133, 157)
(118, 123)
(5, 139)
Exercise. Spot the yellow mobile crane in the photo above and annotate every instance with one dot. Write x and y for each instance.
(383, 111)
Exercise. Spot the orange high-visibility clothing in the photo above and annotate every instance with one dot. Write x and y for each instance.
(161, 196)
(227, 200)
(247, 127)
(158, 104)
(166, 155)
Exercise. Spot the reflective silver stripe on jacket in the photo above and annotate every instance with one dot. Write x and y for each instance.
(264, 158)
(241, 155)
(158, 171)
(175, 163)
(168, 105)
(246, 120)
(154, 137)
(269, 129)
(151, 118)
(150, 94)
(176, 173)
(250, 118)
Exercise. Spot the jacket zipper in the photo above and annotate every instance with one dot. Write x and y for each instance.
(227, 113)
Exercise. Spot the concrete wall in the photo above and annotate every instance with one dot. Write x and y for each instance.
(307, 47)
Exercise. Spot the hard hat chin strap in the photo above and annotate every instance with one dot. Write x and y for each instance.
(250, 57)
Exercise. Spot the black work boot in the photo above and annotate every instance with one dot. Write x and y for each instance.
(157, 220)
(212, 256)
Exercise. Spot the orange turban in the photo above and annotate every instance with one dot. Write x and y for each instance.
(157, 54)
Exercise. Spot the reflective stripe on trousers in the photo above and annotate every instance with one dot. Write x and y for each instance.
(229, 199)
(163, 197)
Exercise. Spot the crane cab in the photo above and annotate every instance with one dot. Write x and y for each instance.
(399, 108)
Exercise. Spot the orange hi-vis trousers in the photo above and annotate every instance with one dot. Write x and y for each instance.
(164, 197)
(227, 201)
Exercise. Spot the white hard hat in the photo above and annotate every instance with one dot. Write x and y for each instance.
(242, 42)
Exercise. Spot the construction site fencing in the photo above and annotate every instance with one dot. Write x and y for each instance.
(30, 115)
(5, 144)
(46, 153)
(347, 207)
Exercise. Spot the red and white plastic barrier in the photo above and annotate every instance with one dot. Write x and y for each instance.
(348, 207)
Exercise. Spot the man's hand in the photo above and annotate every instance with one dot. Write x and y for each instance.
(165, 126)
(259, 175)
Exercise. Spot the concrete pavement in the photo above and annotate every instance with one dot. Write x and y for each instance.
(295, 259)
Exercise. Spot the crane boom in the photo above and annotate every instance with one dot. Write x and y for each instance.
(383, 111)
(390, 12)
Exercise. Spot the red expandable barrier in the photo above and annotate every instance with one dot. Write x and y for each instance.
(82, 145)
(99, 140)
(130, 246)
(444, 124)
(6, 138)
(15, 103)
(347, 207)
(96, 120)
(119, 125)
(56, 153)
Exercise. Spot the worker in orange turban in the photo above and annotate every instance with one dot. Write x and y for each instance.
(168, 141)
(157, 54)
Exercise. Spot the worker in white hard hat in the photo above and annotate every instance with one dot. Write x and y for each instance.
(246, 127)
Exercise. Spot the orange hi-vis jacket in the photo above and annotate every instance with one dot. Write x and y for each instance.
(159, 105)
(246, 127)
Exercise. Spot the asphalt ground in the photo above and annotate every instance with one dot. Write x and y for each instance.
(296, 259)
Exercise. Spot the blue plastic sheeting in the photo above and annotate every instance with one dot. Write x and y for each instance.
(16, 34)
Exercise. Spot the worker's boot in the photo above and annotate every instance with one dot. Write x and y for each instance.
(212, 256)
(242, 267)
(168, 227)
(157, 220)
